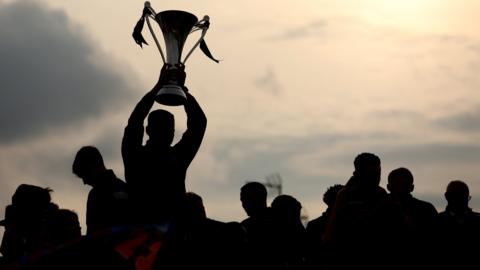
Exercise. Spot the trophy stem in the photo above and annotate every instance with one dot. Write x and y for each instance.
(156, 40)
(204, 32)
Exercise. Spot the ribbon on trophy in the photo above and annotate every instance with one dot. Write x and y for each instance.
(137, 31)
(148, 12)
(176, 26)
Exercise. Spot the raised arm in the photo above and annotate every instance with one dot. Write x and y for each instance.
(196, 126)
(133, 134)
(196, 118)
(142, 108)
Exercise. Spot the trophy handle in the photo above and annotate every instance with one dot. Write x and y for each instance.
(203, 24)
(148, 5)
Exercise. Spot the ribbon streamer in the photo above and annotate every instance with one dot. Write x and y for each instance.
(137, 31)
(206, 51)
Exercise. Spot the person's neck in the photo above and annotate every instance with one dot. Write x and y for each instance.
(458, 210)
(102, 177)
(401, 196)
(260, 212)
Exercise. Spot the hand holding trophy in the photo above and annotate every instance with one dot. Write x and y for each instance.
(176, 25)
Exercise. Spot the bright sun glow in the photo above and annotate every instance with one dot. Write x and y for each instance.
(423, 16)
(414, 14)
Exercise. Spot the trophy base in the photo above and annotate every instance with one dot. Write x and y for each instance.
(171, 95)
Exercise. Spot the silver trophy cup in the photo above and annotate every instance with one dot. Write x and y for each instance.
(176, 26)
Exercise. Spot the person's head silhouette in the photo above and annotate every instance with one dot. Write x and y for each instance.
(161, 127)
(367, 169)
(287, 208)
(194, 209)
(330, 195)
(31, 196)
(400, 182)
(88, 165)
(253, 196)
(457, 195)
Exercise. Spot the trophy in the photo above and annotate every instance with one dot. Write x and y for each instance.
(176, 25)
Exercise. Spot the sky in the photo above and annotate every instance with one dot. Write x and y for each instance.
(302, 88)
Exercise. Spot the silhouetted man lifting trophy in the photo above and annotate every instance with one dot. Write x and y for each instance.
(156, 171)
(176, 25)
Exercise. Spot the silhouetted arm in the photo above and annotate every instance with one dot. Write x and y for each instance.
(133, 134)
(196, 126)
(142, 108)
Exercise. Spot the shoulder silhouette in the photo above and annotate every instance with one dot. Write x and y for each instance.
(458, 229)
(363, 225)
(316, 251)
(108, 201)
(259, 225)
(417, 223)
(290, 238)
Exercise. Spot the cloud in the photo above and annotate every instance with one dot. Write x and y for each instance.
(329, 156)
(269, 82)
(467, 121)
(52, 73)
(315, 29)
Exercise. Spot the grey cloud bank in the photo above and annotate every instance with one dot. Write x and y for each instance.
(52, 75)
(58, 92)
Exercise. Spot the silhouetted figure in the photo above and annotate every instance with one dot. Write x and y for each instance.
(63, 227)
(418, 217)
(290, 239)
(24, 221)
(259, 226)
(363, 225)
(156, 171)
(316, 229)
(458, 230)
(207, 243)
(108, 201)
(62, 232)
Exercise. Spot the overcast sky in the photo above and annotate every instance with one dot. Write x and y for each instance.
(303, 87)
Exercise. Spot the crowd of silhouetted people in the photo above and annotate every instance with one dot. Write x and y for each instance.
(150, 221)
(363, 227)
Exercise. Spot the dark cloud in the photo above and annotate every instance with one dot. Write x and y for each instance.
(468, 121)
(51, 73)
(261, 156)
(258, 158)
(433, 154)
